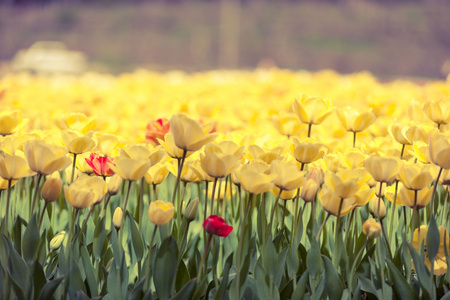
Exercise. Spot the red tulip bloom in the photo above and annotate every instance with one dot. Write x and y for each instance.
(99, 164)
(216, 225)
(157, 129)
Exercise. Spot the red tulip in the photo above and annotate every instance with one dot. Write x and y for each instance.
(99, 164)
(216, 225)
(157, 129)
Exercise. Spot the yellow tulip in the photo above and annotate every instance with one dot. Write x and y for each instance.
(160, 212)
(57, 240)
(114, 182)
(312, 110)
(253, 181)
(438, 112)
(353, 120)
(79, 197)
(285, 195)
(4, 184)
(117, 217)
(219, 165)
(129, 168)
(309, 190)
(188, 174)
(371, 228)
(415, 177)
(171, 149)
(79, 122)
(226, 147)
(9, 121)
(188, 134)
(51, 189)
(341, 184)
(440, 261)
(13, 167)
(377, 208)
(306, 152)
(383, 169)
(45, 158)
(77, 143)
(288, 177)
(142, 152)
(406, 135)
(331, 202)
(407, 197)
(157, 174)
(364, 195)
(439, 150)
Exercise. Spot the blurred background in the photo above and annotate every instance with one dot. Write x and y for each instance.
(401, 38)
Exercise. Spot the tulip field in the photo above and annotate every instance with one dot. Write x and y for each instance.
(263, 184)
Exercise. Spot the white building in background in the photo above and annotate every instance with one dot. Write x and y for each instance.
(49, 57)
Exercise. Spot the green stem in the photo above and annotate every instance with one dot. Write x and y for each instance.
(177, 183)
(35, 193)
(203, 259)
(321, 226)
(42, 214)
(309, 129)
(212, 196)
(141, 203)
(284, 214)
(73, 167)
(102, 214)
(122, 223)
(394, 211)
(336, 235)
(149, 270)
(273, 212)
(80, 234)
(354, 139)
(379, 200)
(434, 191)
(403, 151)
(8, 198)
(355, 262)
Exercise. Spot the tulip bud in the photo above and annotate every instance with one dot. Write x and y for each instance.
(309, 190)
(117, 218)
(373, 208)
(56, 241)
(316, 174)
(114, 182)
(51, 189)
(371, 228)
(191, 210)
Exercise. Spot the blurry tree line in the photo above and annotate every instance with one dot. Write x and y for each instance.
(43, 2)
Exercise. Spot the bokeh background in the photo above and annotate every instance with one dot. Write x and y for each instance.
(398, 38)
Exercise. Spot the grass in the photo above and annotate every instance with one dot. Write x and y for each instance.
(392, 40)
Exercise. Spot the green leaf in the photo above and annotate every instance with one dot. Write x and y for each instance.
(165, 269)
(49, 288)
(17, 269)
(136, 239)
(99, 239)
(334, 285)
(269, 256)
(39, 280)
(89, 272)
(422, 272)
(401, 286)
(187, 291)
(76, 282)
(367, 286)
(117, 249)
(221, 291)
(432, 239)
(314, 260)
(137, 293)
(182, 276)
(30, 241)
(300, 290)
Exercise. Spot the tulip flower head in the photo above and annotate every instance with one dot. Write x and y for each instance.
(157, 129)
(9, 121)
(312, 110)
(100, 165)
(45, 158)
(160, 212)
(217, 226)
(189, 134)
(371, 228)
(439, 150)
(383, 169)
